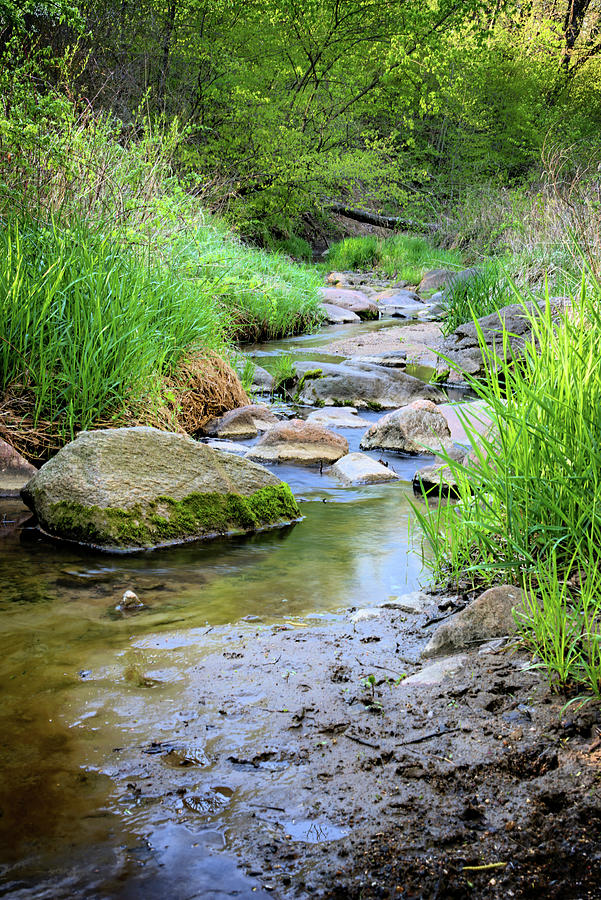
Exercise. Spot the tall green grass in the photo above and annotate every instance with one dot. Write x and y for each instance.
(264, 295)
(486, 291)
(529, 508)
(402, 256)
(86, 328)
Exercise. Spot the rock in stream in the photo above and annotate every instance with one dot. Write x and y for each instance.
(136, 488)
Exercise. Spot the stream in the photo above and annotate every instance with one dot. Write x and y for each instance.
(93, 696)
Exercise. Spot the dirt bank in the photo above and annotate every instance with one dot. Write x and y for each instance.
(347, 780)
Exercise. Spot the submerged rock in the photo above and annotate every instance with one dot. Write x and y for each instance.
(134, 488)
(359, 468)
(130, 602)
(15, 471)
(297, 441)
(227, 446)
(338, 417)
(394, 359)
(490, 616)
(417, 428)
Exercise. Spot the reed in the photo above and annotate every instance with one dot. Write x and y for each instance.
(529, 508)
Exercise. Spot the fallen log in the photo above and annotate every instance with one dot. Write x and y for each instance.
(371, 218)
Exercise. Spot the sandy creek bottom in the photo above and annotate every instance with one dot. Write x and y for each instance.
(90, 695)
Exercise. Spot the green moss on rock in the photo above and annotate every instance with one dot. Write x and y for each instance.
(165, 520)
(310, 375)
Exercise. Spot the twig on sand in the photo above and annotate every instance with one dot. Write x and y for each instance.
(485, 868)
(428, 736)
(359, 740)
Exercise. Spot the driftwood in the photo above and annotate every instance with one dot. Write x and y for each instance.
(371, 218)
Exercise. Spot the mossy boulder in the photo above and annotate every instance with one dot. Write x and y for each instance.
(137, 488)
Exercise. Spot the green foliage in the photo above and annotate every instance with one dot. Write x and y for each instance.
(284, 373)
(561, 623)
(89, 325)
(471, 298)
(355, 254)
(295, 247)
(528, 509)
(402, 256)
(247, 374)
(87, 329)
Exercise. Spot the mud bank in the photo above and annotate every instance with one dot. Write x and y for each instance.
(344, 778)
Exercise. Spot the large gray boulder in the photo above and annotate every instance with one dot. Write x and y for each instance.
(416, 428)
(510, 327)
(297, 441)
(490, 616)
(354, 301)
(133, 488)
(15, 471)
(361, 385)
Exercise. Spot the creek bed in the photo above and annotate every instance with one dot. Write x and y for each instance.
(87, 690)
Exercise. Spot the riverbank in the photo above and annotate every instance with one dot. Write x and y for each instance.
(262, 722)
(245, 735)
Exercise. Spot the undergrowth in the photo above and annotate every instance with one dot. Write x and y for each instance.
(401, 256)
(484, 291)
(88, 331)
(529, 510)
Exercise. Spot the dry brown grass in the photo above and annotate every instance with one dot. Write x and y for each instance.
(550, 227)
(204, 387)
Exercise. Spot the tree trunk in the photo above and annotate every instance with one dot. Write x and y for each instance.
(370, 218)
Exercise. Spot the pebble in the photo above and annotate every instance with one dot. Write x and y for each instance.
(130, 601)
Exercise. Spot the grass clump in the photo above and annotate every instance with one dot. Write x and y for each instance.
(529, 510)
(284, 374)
(486, 291)
(88, 332)
(99, 327)
(402, 256)
(294, 246)
(263, 295)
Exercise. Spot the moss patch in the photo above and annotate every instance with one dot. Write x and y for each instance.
(165, 520)
(311, 375)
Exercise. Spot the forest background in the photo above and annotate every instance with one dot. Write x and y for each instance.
(154, 154)
(465, 116)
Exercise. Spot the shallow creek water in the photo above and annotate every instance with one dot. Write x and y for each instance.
(87, 690)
